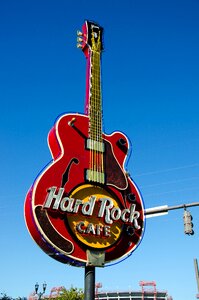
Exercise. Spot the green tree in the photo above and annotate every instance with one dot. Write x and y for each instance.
(71, 294)
(3, 296)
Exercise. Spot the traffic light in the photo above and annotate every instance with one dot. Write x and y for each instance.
(188, 225)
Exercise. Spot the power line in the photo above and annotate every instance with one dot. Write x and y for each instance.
(169, 182)
(167, 170)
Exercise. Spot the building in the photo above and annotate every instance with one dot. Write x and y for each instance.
(145, 293)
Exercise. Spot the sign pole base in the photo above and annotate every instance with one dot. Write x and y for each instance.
(89, 283)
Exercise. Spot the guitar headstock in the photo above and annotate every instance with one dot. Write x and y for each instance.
(90, 39)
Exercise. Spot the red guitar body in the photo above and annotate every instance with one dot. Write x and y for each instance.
(53, 216)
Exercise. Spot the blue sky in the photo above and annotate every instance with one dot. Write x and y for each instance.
(150, 73)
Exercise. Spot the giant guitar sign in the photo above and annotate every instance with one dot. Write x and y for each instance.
(84, 205)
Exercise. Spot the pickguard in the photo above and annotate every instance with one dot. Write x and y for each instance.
(114, 174)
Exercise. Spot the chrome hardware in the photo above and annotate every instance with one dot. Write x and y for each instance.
(79, 39)
(130, 230)
(122, 141)
(131, 197)
(71, 122)
(79, 33)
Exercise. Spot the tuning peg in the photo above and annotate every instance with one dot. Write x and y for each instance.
(79, 45)
(79, 33)
(79, 39)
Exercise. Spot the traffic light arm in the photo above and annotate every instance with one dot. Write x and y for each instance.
(163, 210)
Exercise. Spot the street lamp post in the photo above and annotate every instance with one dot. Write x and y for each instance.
(40, 294)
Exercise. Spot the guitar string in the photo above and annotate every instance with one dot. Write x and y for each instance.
(90, 121)
(97, 166)
(96, 122)
(99, 114)
(93, 105)
(94, 119)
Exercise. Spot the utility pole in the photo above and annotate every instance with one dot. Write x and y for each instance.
(197, 275)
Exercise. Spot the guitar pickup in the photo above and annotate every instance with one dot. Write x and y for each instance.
(95, 145)
(95, 176)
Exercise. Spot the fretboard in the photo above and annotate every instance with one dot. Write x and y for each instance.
(95, 101)
(94, 143)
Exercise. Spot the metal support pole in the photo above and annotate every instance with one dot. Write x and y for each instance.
(196, 272)
(89, 283)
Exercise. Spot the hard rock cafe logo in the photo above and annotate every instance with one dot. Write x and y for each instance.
(93, 214)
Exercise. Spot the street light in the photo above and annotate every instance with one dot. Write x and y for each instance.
(40, 294)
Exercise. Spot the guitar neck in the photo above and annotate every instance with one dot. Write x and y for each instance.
(95, 99)
(94, 96)
(91, 44)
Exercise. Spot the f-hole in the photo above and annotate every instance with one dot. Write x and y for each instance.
(65, 174)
